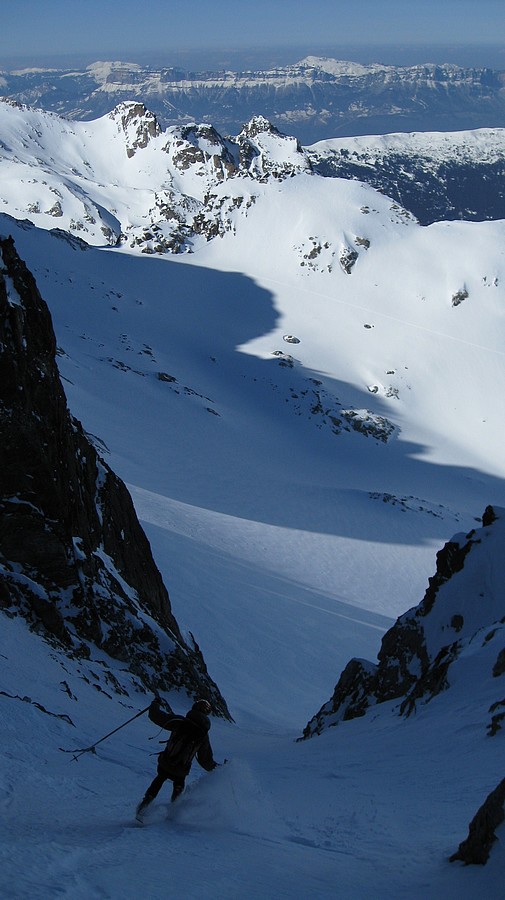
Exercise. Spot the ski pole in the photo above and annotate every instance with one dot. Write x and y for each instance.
(79, 752)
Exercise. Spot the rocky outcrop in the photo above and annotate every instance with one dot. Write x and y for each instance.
(137, 124)
(463, 605)
(265, 152)
(482, 830)
(202, 147)
(74, 559)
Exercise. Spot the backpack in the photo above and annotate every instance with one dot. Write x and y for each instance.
(181, 748)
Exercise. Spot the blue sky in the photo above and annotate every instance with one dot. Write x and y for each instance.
(105, 27)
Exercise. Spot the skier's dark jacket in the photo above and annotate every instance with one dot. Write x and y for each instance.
(189, 738)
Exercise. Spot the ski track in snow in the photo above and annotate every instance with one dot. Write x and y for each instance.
(381, 315)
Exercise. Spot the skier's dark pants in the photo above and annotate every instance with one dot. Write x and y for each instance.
(159, 781)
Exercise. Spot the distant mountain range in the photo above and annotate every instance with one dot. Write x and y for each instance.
(315, 99)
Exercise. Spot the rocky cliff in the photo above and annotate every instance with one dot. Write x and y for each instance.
(73, 557)
(456, 632)
(475, 849)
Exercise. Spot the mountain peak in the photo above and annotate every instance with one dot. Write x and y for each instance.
(339, 68)
(265, 151)
(112, 70)
(258, 125)
(138, 124)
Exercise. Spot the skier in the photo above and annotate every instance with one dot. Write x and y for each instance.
(189, 738)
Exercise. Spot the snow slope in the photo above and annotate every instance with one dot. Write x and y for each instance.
(366, 810)
(480, 145)
(230, 466)
(295, 495)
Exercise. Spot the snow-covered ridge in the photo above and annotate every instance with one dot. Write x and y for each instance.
(477, 146)
(121, 179)
(258, 201)
(437, 175)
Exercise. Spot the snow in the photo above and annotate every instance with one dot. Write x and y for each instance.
(13, 297)
(480, 145)
(287, 549)
(340, 68)
(281, 819)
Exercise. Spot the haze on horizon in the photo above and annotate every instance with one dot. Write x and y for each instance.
(232, 34)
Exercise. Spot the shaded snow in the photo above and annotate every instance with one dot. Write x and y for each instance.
(377, 817)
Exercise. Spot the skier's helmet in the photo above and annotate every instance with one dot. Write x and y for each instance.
(202, 706)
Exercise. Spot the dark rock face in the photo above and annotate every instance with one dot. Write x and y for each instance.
(497, 719)
(499, 667)
(351, 698)
(418, 651)
(74, 559)
(481, 833)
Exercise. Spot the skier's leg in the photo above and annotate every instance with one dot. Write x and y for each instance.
(151, 793)
(178, 788)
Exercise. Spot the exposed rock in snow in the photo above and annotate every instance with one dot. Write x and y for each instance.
(463, 610)
(347, 259)
(264, 151)
(459, 297)
(138, 125)
(482, 830)
(73, 558)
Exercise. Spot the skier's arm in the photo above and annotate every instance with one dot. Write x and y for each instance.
(205, 757)
(162, 717)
